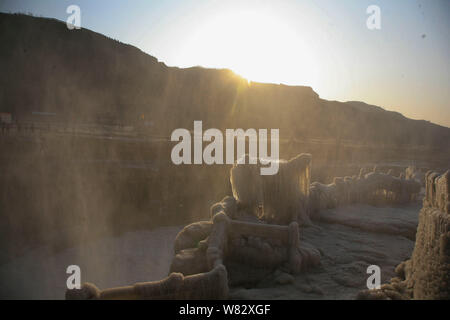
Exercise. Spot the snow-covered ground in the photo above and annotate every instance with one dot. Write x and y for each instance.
(350, 239)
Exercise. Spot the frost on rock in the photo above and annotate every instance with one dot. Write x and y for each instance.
(427, 274)
(374, 188)
(258, 236)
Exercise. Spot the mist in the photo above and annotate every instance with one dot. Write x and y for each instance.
(87, 178)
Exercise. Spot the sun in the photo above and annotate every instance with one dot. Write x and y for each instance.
(258, 45)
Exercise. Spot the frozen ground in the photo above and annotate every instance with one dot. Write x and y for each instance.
(350, 239)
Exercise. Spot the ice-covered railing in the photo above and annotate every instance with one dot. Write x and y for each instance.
(182, 283)
(208, 285)
(371, 188)
(212, 284)
(258, 227)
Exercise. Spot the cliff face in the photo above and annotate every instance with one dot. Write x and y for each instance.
(80, 75)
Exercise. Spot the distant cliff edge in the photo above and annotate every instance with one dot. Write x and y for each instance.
(81, 76)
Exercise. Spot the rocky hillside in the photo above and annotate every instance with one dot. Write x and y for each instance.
(81, 75)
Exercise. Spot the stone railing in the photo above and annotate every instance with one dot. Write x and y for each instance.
(371, 188)
(213, 283)
(203, 249)
(209, 285)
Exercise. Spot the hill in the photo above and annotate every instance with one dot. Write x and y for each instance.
(81, 76)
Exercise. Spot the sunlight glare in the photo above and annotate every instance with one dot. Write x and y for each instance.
(258, 45)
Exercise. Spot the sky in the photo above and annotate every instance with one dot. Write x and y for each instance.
(404, 66)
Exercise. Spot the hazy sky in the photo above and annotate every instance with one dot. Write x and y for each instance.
(325, 44)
